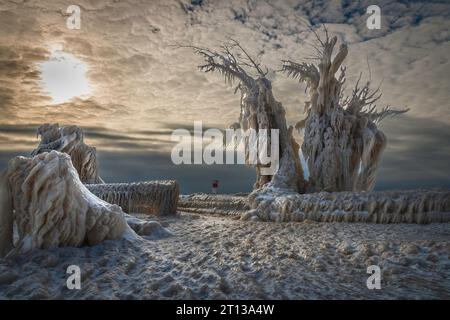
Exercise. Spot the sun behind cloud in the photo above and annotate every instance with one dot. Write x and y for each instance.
(64, 76)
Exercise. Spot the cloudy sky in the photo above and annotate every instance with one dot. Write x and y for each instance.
(121, 78)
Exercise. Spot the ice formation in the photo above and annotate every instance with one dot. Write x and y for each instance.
(342, 143)
(259, 110)
(396, 206)
(69, 140)
(342, 146)
(151, 197)
(53, 208)
(45, 198)
(220, 204)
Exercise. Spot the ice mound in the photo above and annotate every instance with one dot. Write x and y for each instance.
(51, 207)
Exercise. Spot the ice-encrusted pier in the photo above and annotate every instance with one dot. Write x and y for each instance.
(220, 204)
(159, 197)
(394, 206)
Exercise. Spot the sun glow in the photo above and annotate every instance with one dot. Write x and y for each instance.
(64, 76)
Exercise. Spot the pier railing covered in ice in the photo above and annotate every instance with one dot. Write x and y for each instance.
(394, 206)
(221, 204)
(151, 197)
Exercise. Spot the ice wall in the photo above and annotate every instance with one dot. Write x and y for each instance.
(396, 206)
(213, 204)
(151, 197)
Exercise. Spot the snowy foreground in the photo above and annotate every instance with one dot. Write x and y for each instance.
(220, 257)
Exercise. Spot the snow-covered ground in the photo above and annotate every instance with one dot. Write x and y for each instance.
(217, 257)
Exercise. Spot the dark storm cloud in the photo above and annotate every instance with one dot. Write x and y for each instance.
(154, 132)
(192, 178)
(190, 127)
(417, 159)
(25, 136)
(12, 142)
(104, 134)
(128, 141)
(417, 155)
(18, 137)
(25, 129)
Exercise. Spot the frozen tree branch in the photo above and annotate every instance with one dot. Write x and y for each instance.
(225, 62)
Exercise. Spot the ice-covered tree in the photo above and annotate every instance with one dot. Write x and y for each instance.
(258, 110)
(342, 143)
